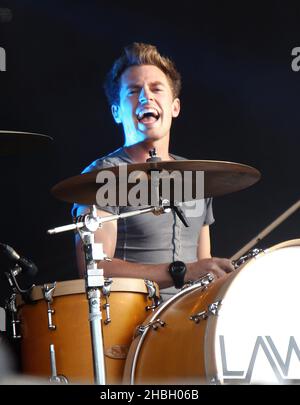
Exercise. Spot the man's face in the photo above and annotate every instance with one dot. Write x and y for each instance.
(146, 106)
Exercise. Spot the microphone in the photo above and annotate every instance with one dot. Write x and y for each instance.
(24, 263)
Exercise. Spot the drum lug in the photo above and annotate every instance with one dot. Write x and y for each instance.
(106, 292)
(212, 309)
(203, 281)
(140, 330)
(152, 294)
(55, 378)
(252, 253)
(48, 291)
(12, 308)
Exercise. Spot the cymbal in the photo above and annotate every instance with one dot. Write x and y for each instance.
(16, 142)
(220, 178)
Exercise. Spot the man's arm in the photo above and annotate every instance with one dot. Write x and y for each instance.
(107, 235)
(204, 243)
(155, 272)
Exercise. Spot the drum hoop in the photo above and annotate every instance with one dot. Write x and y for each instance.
(158, 311)
(281, 245)
(70, 287)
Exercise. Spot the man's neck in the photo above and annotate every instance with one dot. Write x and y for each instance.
(139, 152)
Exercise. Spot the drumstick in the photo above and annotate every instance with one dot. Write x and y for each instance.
(266, 231)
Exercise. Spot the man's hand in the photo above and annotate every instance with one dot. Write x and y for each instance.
(217, 266)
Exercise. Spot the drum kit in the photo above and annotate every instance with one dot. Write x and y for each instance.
(240, 329)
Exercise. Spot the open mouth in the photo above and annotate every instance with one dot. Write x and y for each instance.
(148, 116)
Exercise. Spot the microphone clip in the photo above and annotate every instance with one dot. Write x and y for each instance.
(20, 264)
(13, 283)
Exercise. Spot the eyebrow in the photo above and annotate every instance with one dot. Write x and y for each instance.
(135, 85)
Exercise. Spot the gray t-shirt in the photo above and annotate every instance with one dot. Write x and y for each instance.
(152, 239)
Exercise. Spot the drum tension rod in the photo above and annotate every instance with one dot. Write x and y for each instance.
(212, 309)
(11, 306)
(152, 294)
(243, 259)
(154, 324)
(106, 293)
(48, 291)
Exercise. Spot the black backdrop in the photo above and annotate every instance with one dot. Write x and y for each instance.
(240, 102)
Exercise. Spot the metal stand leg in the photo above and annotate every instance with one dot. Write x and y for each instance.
(95, 318)
(94, 281)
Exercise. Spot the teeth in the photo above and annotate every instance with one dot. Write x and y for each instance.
(145, 111)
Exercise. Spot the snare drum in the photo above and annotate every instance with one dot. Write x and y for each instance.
(241, 329)
(56, 332)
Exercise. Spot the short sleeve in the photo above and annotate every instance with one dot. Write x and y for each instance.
(209, 218)
(96, 165)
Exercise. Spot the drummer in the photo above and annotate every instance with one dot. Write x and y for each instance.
(143, 90)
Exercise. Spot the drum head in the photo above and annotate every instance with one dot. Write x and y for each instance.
(256, 338)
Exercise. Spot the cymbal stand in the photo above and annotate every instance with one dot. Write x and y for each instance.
(87, 225)
(94, 281)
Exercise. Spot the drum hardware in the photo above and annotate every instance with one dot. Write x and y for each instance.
(212, 309)
(27, 265)
(204, 281)
(11, 302)
(13, 283)
(106, 292)
(85, 220)
(94, 280)
(48, 291)
(86, 225)
(140, 330)
(243, 259)
(152, 294)
(20, 264)
(55, 378)
(153, 156)
(11, 306)
(2, 320)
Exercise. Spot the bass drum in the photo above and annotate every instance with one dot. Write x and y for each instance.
(241, 329)
(56, 338)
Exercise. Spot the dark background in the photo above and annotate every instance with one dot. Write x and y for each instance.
(240, 102)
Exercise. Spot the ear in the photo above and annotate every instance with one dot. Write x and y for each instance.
(175, 108)
(115, 110)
